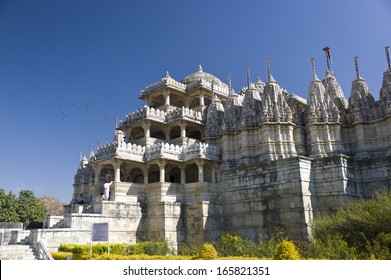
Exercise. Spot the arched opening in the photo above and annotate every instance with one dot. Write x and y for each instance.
(173, 174)
(175, 132)
(154, 174)
(194, 132)
(191, 173)
(136, 176)
(157, 132)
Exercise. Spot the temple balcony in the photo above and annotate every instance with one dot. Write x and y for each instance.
(121, 150)
(163, 116)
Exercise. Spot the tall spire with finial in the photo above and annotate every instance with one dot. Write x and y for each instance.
(229, 78)
(213, 91)
(388, 57)
(356, 67)
(313, 68)
(91, 151)
(248, 76)
(269, 76)
(200, 68)
(329, 61)
(81, 154)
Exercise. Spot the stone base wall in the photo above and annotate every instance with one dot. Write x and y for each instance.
(258, 198)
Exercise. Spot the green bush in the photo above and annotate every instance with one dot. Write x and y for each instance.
(207, 252)
(380, 248)
(60, 255)
(188, 249)
(358, 223)
(329, 248)
(150, 248)
(286, 250)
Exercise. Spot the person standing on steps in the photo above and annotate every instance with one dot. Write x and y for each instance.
(107, 189)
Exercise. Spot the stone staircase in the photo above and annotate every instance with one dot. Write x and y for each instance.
(17, 252)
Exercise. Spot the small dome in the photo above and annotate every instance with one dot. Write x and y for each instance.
(201, 75)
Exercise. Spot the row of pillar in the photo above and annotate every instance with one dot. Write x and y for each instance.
(162, 165)
(166, 96)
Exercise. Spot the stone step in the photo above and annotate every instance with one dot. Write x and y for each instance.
(17, 252)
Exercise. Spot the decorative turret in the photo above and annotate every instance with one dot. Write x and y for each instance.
(276, 134)
(274, 107)
(334, 90)
(331, 85)
(232, 114)
(251, 105)
(361, 100)
(215, 116)
(323, 121)
(385, 92)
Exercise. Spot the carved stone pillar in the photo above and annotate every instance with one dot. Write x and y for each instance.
(147, 130)
(145, 173)
(183, 174)
(162, 165)
(117, 172)
(200, 165)
(183, 130)
(202, 102)
(166, 98)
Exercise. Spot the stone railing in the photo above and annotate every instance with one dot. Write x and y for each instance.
(123, 150)
(183, 153)
(206, 84)
(166, 151)
(42, 251)
(160, 150)
(162, 116)
(167, 81)
(145, 113)
(202, 150)
(186, 114)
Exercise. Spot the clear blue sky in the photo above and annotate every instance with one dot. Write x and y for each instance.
(69, 68)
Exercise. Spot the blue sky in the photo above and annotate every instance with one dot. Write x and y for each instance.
(69, 68)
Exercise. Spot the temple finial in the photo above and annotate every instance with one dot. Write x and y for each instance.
(213, 90)
(269, 75)
(91, 151)
(356, 67)
(229, 78)
(388, 57)
(200, 68)
(248, 76)
(81, 154)
(167, 74)
(328, 60)
(313, 68)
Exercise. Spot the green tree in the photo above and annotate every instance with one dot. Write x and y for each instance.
(29, 208)
(8, 207)
(362, 225)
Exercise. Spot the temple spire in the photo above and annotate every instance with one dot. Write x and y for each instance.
(248, 76)
(200, 68)
(328, 60)
(313, 69)
(356, 67)
(213, 91)
(388, 57)
(81, 154)
(229, 78)
(269, 76)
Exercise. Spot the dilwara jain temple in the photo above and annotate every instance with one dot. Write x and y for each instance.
(200, 160)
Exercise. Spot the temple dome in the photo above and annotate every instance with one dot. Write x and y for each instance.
(201, 75)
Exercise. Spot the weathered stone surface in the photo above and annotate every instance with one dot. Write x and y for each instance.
(194, 164)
